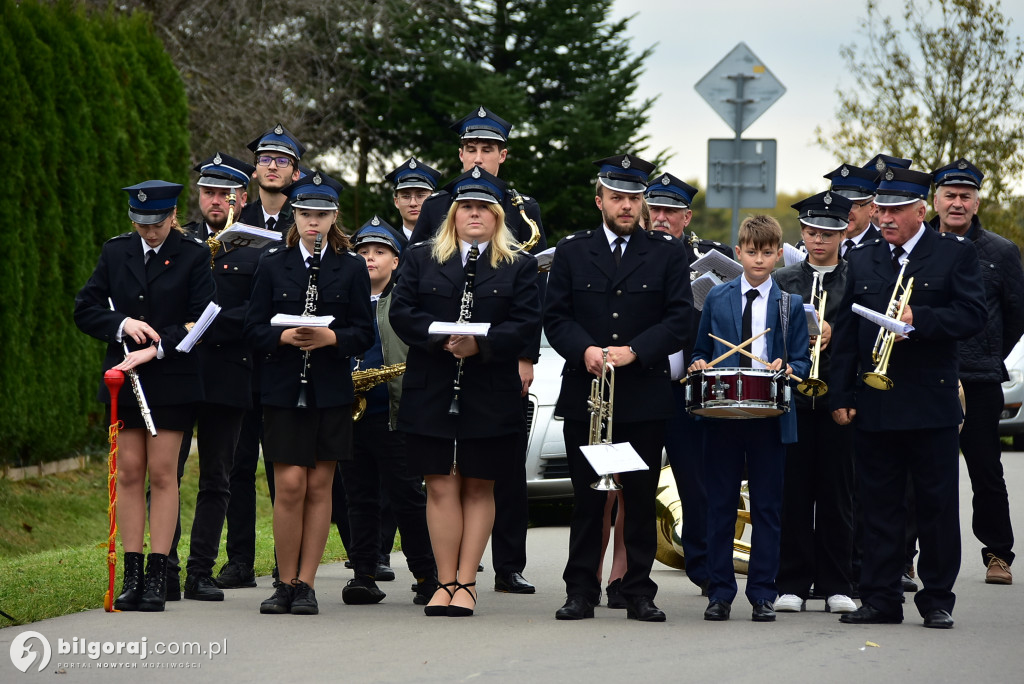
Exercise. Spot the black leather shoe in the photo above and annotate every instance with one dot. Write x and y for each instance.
(614, 594)
(202, 589)
(424, 590)
(280, 602)
(384, 573)
(717, 611)
(362, 590)
(133, 586)
(938, 619)
(173, 586)
(513, 583)
(303, 599)
(867, 615)
(909, 585)
(642, 608)
(576, 607)
(153, 599)
(764, 611)
(235, 576)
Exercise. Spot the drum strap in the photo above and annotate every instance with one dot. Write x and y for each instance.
(784, 319)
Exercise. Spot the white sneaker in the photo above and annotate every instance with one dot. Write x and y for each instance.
(789, 603)
(837, 603)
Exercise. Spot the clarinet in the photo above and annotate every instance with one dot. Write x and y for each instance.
(465, 314)
(136, 385)
(310, 310)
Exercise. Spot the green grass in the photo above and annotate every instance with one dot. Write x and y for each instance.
(53, 539)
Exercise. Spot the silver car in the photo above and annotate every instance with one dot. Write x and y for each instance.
(1011, 421)
(547, 469)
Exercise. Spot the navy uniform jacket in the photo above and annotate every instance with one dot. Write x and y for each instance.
(948, 303)
(252, 215)
(343, 292)
(225, 358)
(723, 317)
(436, 208)
(506, 297)
(645, 303)
(177, 290)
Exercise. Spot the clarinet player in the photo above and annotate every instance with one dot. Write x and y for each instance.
(461, 407)
(148, 286)
(305, 383)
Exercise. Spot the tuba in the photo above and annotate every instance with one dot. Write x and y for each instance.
(882, 350)
(601, 410)
(813, 386)
(364, 380)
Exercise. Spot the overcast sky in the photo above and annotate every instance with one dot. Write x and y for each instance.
(798, 41)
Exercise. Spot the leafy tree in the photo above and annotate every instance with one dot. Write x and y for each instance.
(944, 82)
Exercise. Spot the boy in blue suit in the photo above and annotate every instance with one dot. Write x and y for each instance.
(736, 311)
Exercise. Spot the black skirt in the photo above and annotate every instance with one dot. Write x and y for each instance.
(304, 436)
(486, 458)
(176, 418)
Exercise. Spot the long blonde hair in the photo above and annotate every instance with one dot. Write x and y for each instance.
(446, 242)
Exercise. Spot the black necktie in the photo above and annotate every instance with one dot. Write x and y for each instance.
(617, 252)
(309, 261)
(748, 324)
(271, 222)
(150, 262)
(848, 245)
(896, 254)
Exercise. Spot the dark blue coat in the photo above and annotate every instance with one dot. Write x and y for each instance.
(280, 287)
(176, 291)
(435, 209)
(505, 297)
(645, 303)
(948, 304)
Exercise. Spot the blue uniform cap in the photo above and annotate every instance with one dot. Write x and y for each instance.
(477, 184)
(482, 124)
(825, 211)
(376, 230)
(222, 171)
(881, 162)
(960, 172)
(314, 191)
(624, 173)
(902, 186)
(152, 201)
(414, 174)
(668, 191)
(853, 182)
(278, 139)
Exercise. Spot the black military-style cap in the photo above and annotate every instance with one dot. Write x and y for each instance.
(414, 174)
(960, 172)
(477, 184)
(482, 124)
(152, 201)
(278, 139)
(316, 190)
(223, 171)
(825, 211)
(881, 162)
(902, 186)
(853, 182)
(624, 173)
(668, 191)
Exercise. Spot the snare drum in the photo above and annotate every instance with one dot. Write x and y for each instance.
(737, 393)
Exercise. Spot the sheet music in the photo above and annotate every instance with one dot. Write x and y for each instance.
(196, 333)
(891, 324)
(295, 321)
(716, 262)
(813, 325)
(545, 258)
(792, 255)
(613, 458)
(244, 235)
(456, 328)
(701, 287)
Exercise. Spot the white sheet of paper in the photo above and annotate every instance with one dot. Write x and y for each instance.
(292, 321)
(792, 255)
(813, 326)
(890, 324)
(701, 287)
(244, 235)
(455, 328)
(196, 333)
(613, 458)
(716, 262)
(545, 258)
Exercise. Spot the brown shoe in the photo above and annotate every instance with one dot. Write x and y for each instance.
(998, 571)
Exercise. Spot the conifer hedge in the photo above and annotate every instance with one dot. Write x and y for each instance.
(92, 103)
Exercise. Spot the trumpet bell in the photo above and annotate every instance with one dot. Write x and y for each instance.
(878, 381)
(812, 387)
(607, 483)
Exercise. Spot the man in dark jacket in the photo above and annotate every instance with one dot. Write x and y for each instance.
(956, 204)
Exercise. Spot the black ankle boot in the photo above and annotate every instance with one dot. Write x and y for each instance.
(131, 590)
(156, 584)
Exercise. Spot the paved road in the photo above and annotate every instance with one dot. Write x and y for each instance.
(516, 638)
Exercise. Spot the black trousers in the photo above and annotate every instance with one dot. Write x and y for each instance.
(638, 491)
(379, 461)
(929, 457)
(217, 433)
(241, 513)
(979, 442)
(684, 443)
(511, 514)
(816, 544)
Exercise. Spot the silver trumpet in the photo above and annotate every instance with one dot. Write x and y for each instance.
(136, 384)
(601, 410)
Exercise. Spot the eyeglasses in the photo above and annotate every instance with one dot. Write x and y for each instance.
(824, 236)
(409, 197)
(282, 162)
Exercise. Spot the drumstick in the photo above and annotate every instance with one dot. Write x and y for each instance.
(712, 363)
(746, 353)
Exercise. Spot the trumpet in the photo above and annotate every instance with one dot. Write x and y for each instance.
(601, 410)
(882, 350)
(813, 386)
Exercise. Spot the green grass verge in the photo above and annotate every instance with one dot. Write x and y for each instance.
(53, 534)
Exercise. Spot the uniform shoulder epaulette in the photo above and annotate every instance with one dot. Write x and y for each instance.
(865, 244)
(275, 250)
(122, 236)
(415, 245)
(586, 232)
(352, 254)
(192, 238)
(948, 235)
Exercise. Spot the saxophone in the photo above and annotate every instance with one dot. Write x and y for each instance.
(212, 242)
(310, 310)
(365, 380)
(517, 201)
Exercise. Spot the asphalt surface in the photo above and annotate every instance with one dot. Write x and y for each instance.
(516, 638)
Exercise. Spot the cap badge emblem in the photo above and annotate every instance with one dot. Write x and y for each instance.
(880, 165)
(279, 129)
(844, 172)
(827, 199)
(481, 112)
(217, 159)
(142, 196)
(665, 180)
(412, 163)
(889, 175)
(476, 172)
(317, 180)
(375, 221)
(625, 162)
(962, 165)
